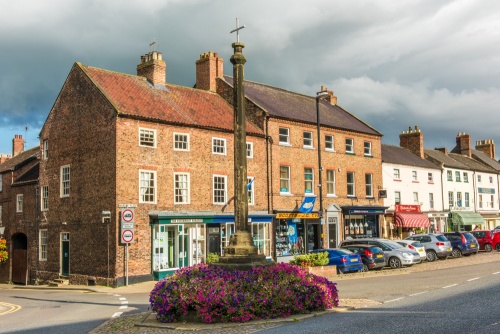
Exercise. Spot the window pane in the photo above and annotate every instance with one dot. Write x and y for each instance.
(284, 179)
(308, 180)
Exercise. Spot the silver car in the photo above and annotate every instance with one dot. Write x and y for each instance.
(436, 245)
(395, 255)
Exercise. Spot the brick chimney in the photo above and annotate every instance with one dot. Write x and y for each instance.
(17, 145)
(153, 68)
(413, 140)
(4, 157)
(487, 147)
(209, 67)
(442, 149)
(330, 98)
(463, 144)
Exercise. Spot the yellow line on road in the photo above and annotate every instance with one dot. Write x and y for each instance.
(11, 308)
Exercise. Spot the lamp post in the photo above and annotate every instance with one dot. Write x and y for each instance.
(320, 95)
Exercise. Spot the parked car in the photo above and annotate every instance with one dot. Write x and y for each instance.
(484, 239)
(414, 245)
(462, 243)
(496, 240)
(372, 257)
(395, 255)
(345, 260)
(436, 245)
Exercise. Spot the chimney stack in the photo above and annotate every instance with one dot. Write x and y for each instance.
(463, 144)
(17, 145)
(208, 68)
(330, 98)
(413, 140)
(487, 147)
(4, 157)
(442, 149)
(153, 68)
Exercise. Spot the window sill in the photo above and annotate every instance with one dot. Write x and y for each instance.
(397, 180)
(330, 150)
(414, 181)
(286, 194)
(285, 144)
(331, 196)
(368, 156)
(308, 147)
(350, 153)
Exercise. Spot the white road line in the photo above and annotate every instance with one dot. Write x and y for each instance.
(498, 272)
(116, 295)
(449, 286)
(123, 307)
(393, 300)
(123, 298)
(117, 314)
(473, 279)
(418, 293)
(124, 302)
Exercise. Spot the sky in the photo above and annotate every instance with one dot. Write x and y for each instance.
(434, 64)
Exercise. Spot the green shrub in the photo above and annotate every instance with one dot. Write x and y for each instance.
(311, 259)
(212, 257)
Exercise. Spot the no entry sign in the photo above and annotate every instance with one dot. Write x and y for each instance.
(127, 225)
(127, 236)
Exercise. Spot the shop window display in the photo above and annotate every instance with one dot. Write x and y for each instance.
(289, 238)
(165, 247)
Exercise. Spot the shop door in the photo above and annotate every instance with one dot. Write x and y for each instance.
(332, 236)
(65, 254)
(183, 250)
(19, 258)
(214, 242)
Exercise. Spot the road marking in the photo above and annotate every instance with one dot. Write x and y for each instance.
(418, 293)
(123, 307)
(117, 314)
(124, 302)
(123, 298)
(473, 279)
(12, 308)
(498, 272)
(449, 286)
(393, 300)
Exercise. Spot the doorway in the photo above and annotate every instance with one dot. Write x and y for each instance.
(65, 254)
(19, 258)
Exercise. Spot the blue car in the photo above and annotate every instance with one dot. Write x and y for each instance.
(463, 243)
(346, 261)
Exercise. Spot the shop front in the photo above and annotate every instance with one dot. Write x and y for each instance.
(464, 220)
(181, 240)
(297, 233)
(362, 221)
(437, 221)
(408, 219)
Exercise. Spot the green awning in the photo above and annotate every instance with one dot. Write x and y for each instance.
(466, 218)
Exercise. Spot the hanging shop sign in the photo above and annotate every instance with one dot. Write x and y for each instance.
(297, 215)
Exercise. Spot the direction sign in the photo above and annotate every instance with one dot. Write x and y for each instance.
(127, 236)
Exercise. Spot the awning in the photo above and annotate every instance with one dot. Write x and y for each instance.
(411, 220)
(466, 218)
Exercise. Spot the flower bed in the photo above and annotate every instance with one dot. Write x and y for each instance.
(219, 295)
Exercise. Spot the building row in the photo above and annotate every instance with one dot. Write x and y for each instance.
(134, 177)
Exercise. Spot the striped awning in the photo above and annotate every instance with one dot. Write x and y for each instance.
(411, 220)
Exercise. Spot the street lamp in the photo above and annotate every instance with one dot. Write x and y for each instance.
(320, 95)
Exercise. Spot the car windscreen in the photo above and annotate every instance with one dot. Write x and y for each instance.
(391, 245)
(441, 238)
(417, 244)
(375, 249)
(469, 237)
(340, 251)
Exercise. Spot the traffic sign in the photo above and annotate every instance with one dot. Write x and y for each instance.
(128, 216)
(127, 236)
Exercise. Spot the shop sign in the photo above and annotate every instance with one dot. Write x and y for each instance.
(486, 190)
(299, 215)
(189, 220)
(407, 208)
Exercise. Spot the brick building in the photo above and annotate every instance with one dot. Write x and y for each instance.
(134, 149)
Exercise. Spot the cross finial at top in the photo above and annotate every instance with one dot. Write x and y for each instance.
(237, 30)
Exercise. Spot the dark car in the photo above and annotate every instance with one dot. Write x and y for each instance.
(372, 257)
(346, 261)
(484, 238)
(462, 243)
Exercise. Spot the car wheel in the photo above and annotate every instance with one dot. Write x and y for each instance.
(488, 248)
(339, 271)
(497, 247)
(394, 263)
(365, 268)
(431, 256)
(456, 253)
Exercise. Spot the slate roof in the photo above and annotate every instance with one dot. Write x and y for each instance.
(20, 160)
(31, 175)
(134, 96)
(447, 160)
(401, 156)
(281, 103)
(472, 163)
(486, 159)
(459, 161)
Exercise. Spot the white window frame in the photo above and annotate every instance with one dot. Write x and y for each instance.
(451, 198)
(285, 180)
(308, 139)
(45, 149)
(184, 191)
(308, 180)
(249, 150)
(466, 199)
(44, 200)
(351, 184)
(466, 177)
(42, 237)
(415, 197)
(369, 185)
(449, 175)
(491, 179)
(330, 182)
(218, 146)
(480, 201)
(251, 190)
(218, 191)
(284, 138)
(147, 137)
(430, 177)
(19, 203)
(479, 178)
(349, 145)
(65, 181)
(457, 176)
(145, 186)
(397, 197)
(180, 140)
(431, 201)
(329, 143)
(367, 148)
(459, 199)
(414, 175)
(397, 173)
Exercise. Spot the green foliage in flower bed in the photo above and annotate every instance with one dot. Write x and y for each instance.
(219, 295)
(212, 257)
(311, 259)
